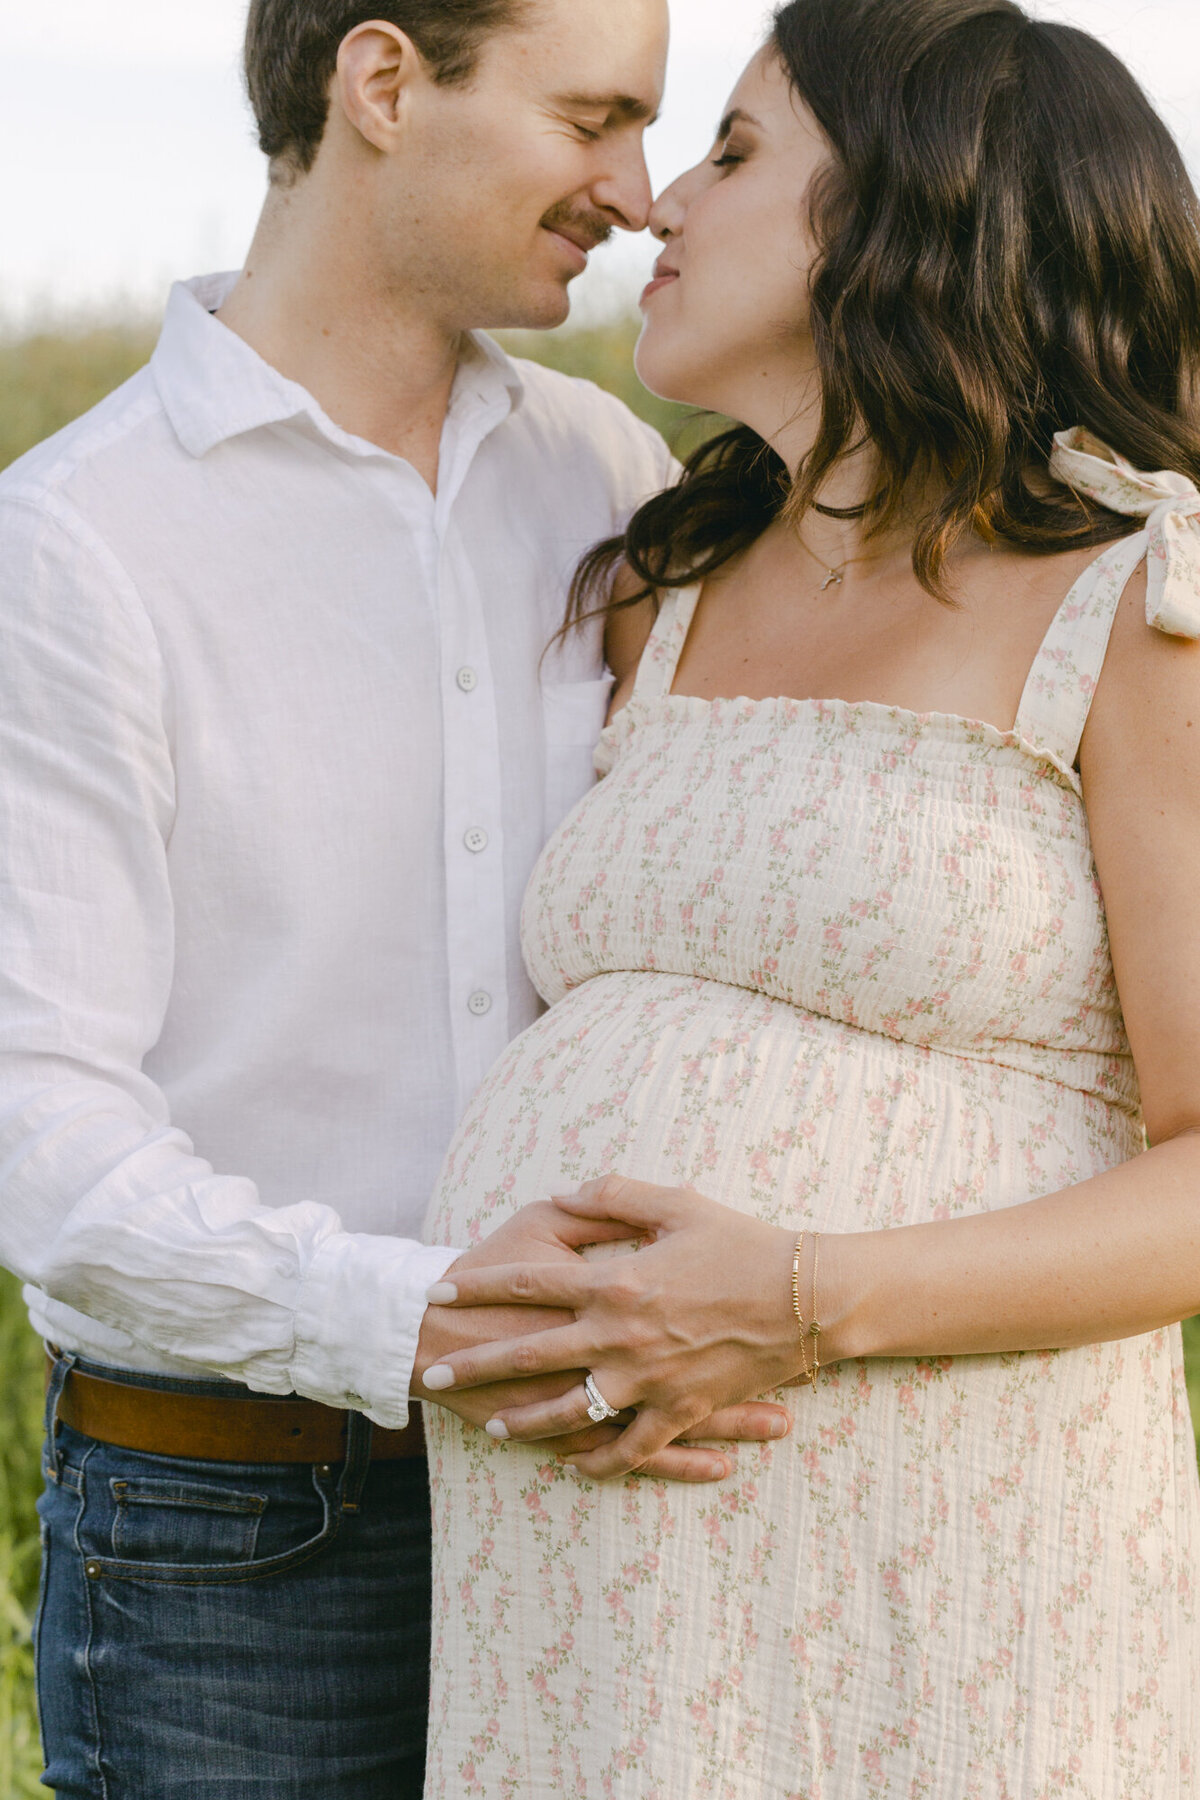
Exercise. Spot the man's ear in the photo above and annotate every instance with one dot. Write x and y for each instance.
(377, 67)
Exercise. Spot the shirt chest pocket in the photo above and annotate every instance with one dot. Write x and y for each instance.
(574, 713)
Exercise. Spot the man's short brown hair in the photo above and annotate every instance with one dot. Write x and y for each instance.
(292, 51)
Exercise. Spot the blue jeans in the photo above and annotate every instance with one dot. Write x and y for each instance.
(214, 1631)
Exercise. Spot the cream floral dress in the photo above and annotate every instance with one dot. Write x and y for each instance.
(842, 966)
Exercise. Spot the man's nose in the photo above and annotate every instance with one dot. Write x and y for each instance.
(624, 191)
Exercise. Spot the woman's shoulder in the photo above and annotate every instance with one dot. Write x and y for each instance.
(1150, 650)
(1147, 700)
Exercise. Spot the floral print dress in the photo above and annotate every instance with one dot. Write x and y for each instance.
(844, 967)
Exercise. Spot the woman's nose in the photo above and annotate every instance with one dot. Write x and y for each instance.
(670, 209)
(662, 219)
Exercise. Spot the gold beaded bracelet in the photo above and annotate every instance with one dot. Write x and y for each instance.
(808, 1329)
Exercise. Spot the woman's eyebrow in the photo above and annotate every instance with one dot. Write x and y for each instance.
(738, 116)
(637, 112)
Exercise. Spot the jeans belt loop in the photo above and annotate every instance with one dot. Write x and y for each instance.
(59, 1376)
(359, 1431)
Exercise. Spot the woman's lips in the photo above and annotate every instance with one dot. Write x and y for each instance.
(659, 281)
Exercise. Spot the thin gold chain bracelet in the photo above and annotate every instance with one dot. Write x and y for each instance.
(808, 1328)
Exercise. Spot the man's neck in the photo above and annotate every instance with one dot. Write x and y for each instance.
(307, 304)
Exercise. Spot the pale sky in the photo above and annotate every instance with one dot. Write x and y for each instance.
(129, 160)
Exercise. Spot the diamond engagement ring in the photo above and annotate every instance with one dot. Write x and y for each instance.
(598, 1408)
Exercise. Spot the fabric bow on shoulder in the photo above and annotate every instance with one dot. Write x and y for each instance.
(1170, 505)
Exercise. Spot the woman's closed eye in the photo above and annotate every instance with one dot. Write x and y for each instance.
(730, 155)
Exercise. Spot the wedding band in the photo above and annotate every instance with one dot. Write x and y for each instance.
(598, 1408)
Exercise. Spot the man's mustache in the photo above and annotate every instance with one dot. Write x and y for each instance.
(587, 229)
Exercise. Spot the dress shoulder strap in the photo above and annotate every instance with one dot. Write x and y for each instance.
(1066, 671)
(664, 647)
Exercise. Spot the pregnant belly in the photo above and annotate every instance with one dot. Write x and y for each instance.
(926, 1531)
(774, 1111)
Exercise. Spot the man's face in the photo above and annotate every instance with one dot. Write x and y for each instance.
(506, 185)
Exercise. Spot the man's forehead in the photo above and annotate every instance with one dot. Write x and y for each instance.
(608, 56)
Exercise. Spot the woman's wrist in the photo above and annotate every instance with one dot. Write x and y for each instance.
(823, 1287)
(845, 1265)
(777, 1283)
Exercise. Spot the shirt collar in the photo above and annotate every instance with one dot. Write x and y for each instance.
(214, 387)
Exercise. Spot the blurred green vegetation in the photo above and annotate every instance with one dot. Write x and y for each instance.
(46, 380)
(49, 378)
(20, 1481)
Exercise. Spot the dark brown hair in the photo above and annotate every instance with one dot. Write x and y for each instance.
(1006, 246)
(292, 51)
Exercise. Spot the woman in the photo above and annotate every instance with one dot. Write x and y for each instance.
(841, 965)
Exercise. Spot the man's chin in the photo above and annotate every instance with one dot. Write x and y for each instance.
(555, 311)
(539, 310)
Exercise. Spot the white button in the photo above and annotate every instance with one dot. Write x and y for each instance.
(480, 1004)
(467, 680)
(476, 840)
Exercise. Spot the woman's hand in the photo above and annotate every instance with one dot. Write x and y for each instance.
(546, 1237)
(697, 1321)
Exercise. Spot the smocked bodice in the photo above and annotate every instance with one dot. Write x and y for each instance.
(925, 877)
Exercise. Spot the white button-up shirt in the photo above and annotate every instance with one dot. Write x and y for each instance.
(278, 750)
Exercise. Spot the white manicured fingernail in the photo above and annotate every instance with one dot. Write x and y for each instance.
(563, 1193)
(497, 1429)
(439, 1378)
(442, 1293)
(779, 1428)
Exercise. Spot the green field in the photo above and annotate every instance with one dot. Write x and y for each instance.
(20, 1370)
(46, 381)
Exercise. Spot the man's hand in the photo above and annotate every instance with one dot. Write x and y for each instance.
(543, 1235)
(695, 1323)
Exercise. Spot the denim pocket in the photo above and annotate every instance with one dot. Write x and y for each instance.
(184, 1522)
(177, 1524)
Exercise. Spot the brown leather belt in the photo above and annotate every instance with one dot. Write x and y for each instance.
(210, 1428)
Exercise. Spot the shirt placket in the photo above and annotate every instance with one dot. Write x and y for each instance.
(476, 931)
(476, 925)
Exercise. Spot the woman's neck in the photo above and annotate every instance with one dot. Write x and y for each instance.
(787, 413)
(841, 543)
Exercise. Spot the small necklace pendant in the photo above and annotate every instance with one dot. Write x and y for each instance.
(834, 578)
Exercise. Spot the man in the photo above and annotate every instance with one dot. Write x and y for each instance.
(274, 766)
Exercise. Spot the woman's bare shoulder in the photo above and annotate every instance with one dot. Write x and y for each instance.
(1143, 732)
(1146, 669)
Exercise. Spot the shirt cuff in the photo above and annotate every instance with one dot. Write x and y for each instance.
(358, 1323)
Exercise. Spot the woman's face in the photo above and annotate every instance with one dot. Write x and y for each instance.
(726, 325)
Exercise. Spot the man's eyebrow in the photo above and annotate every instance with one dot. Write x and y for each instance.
(637, 112)
(736, 117)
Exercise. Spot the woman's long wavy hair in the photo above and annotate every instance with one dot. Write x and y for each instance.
(1007, 245)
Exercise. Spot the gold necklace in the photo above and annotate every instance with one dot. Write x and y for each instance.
(835, 575)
